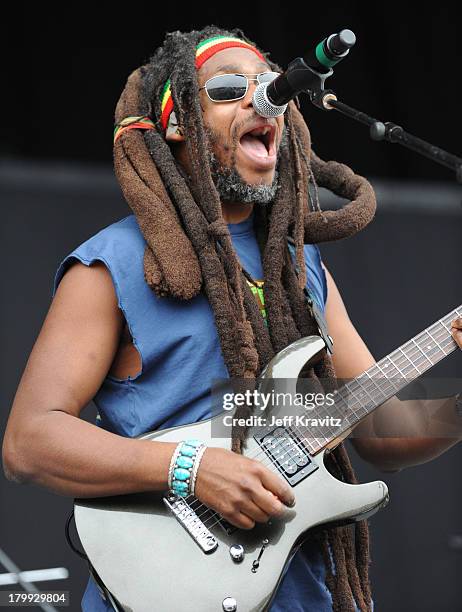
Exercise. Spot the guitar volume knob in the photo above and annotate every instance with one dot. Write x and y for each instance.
(236, 552)
(229, 604)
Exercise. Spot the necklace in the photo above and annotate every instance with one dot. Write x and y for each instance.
(256, 286)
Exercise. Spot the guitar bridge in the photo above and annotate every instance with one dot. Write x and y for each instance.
(188, 519)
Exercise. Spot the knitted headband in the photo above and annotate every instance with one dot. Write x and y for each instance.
(204, 51)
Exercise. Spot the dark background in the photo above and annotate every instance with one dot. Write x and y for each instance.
(64, 74)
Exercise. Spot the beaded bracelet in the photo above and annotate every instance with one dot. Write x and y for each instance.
(183, 461)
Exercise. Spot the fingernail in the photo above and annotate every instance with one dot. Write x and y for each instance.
(290, 504)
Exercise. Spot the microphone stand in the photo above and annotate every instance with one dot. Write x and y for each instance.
(378, 130)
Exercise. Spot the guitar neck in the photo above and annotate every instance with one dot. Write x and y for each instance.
(359, 397)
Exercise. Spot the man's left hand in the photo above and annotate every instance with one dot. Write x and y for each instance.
(456, 330)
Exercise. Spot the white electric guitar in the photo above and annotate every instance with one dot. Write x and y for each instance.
(155, 552)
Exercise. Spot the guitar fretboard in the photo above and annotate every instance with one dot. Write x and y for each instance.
(362, 395)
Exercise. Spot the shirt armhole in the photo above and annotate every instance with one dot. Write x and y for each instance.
(65, 265)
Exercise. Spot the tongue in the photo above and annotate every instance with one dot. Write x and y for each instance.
(254, 146)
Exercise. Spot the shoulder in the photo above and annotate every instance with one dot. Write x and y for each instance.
(117, 245)
(123, 233)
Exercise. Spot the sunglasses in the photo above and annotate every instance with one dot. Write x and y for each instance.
(230, 87)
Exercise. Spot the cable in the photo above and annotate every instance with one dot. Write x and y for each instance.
(69, 541)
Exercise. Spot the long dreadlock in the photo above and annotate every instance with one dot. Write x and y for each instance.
(189, 249)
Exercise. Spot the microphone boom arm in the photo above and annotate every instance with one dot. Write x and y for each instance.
(378, 130)
(390, 132)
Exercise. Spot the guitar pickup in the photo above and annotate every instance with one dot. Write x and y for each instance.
(189, 520)
(287, 454)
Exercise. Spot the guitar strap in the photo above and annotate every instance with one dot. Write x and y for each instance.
(313, 306)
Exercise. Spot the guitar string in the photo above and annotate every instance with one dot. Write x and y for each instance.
(267, 457)
(348, 385)
(214, 514)
(268, 460)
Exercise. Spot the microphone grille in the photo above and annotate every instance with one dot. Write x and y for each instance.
(263, 106)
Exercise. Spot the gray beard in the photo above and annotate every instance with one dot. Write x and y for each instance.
(230, 185)
(232, 188)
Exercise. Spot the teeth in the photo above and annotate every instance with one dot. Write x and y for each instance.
(261, 131)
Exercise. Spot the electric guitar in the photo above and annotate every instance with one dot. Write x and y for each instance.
(155, 551)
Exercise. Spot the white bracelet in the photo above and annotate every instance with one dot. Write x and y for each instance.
(201, 450)
(172, 464)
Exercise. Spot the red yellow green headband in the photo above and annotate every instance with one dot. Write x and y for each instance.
(204, 51)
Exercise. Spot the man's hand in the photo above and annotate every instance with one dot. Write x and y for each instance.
(243, 491)
(456, 330)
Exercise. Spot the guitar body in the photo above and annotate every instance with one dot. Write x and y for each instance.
(149, 561)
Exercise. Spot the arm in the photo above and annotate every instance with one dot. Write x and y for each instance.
(46, 442)
(416, 443)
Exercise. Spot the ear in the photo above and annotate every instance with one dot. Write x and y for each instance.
(173, 133)
(174, 136)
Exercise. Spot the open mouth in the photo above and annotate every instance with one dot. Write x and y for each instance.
(259, 143)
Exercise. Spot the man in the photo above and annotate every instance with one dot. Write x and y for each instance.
(156, 306)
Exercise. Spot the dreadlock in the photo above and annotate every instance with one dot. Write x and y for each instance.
(189, 249)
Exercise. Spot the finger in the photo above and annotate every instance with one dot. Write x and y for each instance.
(457, 335)
(253, 511)
(276, 485)
(268, 502)
(241, 520)
(457, 323)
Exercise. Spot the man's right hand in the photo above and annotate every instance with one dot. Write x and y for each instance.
(243, 491)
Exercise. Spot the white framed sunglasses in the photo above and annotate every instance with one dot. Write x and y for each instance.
(231, 87)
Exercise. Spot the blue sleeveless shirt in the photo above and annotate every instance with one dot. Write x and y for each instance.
(175, 340)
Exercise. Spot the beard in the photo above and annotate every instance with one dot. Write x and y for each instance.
(231, 186)
(229, 183)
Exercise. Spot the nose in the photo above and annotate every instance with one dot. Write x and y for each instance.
(247, 99)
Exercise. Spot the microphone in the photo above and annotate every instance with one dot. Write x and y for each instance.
(271, 99)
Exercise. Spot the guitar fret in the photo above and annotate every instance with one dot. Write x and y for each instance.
(389, 380)
(359, 397)
(399, 370)
(388, 389)
(445, 326)
(348, 385)
(412, 364)
(376, 386)
(415, 353)
(429, 348)
(333, 412)
(342, 411)
(386, 366)
(440, 334)
(437, 343)
(404, 369)
(347, 407)
(369, 384)
(363, 386)
(359, 409)
(421, 351)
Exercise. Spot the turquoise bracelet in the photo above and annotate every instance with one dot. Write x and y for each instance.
(181, 467)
